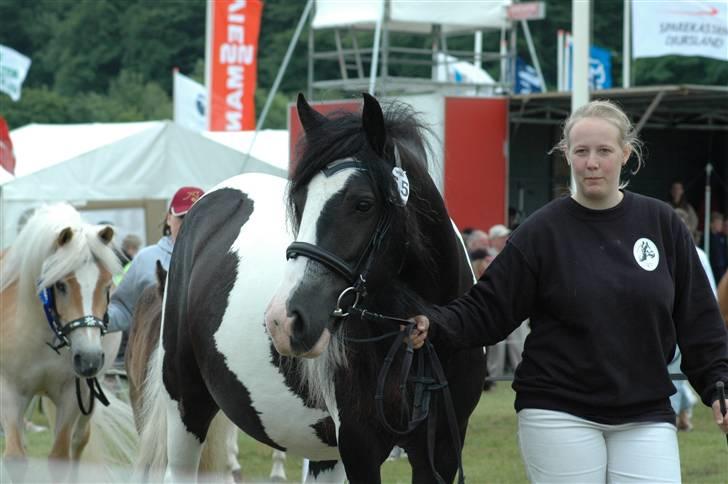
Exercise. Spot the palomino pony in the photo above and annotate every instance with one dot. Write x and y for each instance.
(54, 291)
(374, 244)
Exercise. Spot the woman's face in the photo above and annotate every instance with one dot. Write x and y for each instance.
(174, 223)
(596, 157)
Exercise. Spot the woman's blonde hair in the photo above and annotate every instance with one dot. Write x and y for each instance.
(610, 112)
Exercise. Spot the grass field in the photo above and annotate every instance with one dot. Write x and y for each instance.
(491, 452)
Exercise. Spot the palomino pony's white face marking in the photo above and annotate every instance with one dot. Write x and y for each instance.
(82, 293)
(278, 320)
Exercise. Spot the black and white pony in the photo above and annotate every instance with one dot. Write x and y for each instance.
(305, 352)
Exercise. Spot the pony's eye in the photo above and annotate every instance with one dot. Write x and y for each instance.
(364, 206)
(60, 287)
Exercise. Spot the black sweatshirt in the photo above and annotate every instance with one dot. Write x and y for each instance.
(608, 293)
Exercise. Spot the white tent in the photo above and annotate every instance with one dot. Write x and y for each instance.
(409, 16)
(113, 162)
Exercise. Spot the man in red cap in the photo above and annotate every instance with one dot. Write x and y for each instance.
(141, 273)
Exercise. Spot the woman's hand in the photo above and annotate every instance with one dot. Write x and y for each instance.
(720, 420)
(419, 335)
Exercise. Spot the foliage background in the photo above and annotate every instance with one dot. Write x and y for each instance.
(112, 60)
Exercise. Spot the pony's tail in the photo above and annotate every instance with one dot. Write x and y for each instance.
(113, 441)
(152, 459)
(113, 431)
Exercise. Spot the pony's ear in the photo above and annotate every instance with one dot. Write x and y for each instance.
(309, 117)
(373, 123)
(106, 234)
(161, 277)
(64, 236)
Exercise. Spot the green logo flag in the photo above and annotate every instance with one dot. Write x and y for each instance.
(13, 69)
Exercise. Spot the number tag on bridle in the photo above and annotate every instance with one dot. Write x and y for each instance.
(402, 182)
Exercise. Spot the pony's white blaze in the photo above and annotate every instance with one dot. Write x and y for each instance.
(278, 321)
(81, 297)
(260, 269)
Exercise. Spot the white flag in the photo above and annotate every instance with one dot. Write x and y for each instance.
(13, 69)
(690, 28)
(190, 103)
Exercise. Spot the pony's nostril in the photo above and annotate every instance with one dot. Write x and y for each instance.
(77, 360)
(297, 323)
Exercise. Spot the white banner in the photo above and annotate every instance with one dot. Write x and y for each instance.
(686, 27)
(190, 103)
(13, 69)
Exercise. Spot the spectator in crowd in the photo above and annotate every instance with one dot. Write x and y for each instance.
(678, 200)
(718, 246)
(479, 261)
(611, 281)
(505, 353)
(141, 273)
(131, 245)
(478, 240)
(129, 248)
(684, 399)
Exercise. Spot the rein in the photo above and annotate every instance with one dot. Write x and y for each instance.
(61, 333)
(96, 393)
(430, 376)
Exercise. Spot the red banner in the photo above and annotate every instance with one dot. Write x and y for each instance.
(7, 158)
(232, 50)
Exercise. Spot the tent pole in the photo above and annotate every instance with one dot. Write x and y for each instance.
(279, 76)
(706, 219)
(532, 51)
(375, 53)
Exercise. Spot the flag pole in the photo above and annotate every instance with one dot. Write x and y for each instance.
(279, 76)
(626, 50)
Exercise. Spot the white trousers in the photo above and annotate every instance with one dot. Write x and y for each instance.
(560, 448)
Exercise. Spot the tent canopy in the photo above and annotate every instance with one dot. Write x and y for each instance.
(409, 16)
(115, 162)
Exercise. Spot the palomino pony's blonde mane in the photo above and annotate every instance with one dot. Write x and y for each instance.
(35, 261)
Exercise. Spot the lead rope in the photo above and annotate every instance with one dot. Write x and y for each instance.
(425, 384)
(96, 392)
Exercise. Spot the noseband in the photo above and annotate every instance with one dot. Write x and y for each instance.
(61, 331)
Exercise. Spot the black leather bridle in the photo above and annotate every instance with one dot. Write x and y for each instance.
(429, 375)
(355, 275)
(61, 332)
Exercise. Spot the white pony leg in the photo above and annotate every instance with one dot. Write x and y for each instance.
(278, 471)
(81, 435)
(336, 475)
(12, 408)
(183, 448)
(67, 412)
(232, 453)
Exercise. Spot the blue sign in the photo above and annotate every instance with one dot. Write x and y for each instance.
(527, 80)
(600, 68)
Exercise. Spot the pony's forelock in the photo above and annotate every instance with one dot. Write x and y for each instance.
(33, 260)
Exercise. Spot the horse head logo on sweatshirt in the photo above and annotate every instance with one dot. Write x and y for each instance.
(646, 254)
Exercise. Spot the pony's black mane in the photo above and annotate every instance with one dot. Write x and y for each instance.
(342, 136)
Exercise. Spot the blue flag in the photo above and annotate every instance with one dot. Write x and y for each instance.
(600, 68)
(527, 80)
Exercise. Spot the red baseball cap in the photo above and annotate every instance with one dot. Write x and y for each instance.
(183, 200)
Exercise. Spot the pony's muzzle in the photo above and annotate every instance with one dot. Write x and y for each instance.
(87, 364)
